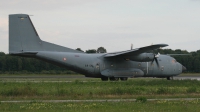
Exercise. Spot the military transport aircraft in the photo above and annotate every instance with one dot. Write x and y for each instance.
(25, 41)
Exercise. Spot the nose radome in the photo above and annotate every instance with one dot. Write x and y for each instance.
(184, 68)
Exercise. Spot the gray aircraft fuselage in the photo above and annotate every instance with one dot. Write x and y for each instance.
(95, 65)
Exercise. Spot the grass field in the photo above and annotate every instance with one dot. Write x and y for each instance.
(90, 88)
(96, 89)
(150, 106)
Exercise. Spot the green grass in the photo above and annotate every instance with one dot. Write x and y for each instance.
(149, 88)
(149, 106)
(89, 88)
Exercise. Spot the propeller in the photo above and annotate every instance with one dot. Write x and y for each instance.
(155, 58)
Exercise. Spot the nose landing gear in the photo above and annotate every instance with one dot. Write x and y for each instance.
(170, 78)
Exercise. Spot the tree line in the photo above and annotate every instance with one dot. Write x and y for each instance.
(18, 65)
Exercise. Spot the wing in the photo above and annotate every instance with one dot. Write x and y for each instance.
(178, 54)
(135, 51)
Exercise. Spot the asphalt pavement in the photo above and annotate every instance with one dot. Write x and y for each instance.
(82, 76)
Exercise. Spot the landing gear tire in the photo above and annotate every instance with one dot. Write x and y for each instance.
(123, 78)
(104, 78)
(169, 78)
(114, 78)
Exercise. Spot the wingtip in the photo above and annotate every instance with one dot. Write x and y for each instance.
(163, 45)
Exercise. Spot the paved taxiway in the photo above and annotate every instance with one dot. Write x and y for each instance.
(186, 78)
(82, 76)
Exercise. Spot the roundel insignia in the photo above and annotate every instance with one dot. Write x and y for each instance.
(64, 59)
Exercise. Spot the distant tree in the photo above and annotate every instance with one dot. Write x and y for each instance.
(196, 65)
(198, 51)
(12, 64)
(79, 49)
(19, 64)
(178, 51)
(91, 51)
(2, 54)
(101, 50)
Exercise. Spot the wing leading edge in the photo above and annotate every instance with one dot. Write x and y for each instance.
(135, 51)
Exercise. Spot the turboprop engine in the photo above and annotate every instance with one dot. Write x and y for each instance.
(143, 57)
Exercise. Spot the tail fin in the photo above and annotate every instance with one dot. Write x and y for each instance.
(23, 37)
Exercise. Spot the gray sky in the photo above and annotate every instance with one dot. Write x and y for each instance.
(113, 24)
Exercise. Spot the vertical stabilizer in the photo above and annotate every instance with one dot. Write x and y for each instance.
(22, 34)
(23, 37)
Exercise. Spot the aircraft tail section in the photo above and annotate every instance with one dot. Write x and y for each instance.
(23, 37)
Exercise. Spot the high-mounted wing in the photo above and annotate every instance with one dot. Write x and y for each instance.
(135, 51)
(178, 54)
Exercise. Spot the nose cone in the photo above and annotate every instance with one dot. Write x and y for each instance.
(183, 68)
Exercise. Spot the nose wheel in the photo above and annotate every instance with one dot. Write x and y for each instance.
(169, 78)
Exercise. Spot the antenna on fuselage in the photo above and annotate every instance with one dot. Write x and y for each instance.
(131, 46)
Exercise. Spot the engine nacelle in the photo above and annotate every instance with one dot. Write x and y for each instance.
(143, 57)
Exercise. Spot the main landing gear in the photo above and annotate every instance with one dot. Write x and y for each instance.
(123, 78)
(103, 78)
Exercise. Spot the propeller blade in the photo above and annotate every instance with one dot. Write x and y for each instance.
(157, 62)
(155, 58)
(152, 62)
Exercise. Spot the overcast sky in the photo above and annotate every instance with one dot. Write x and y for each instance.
(113, 24)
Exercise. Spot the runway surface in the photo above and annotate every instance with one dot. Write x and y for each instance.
(82, 77)
(99, 100)
(186, 77)
(46, 76)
